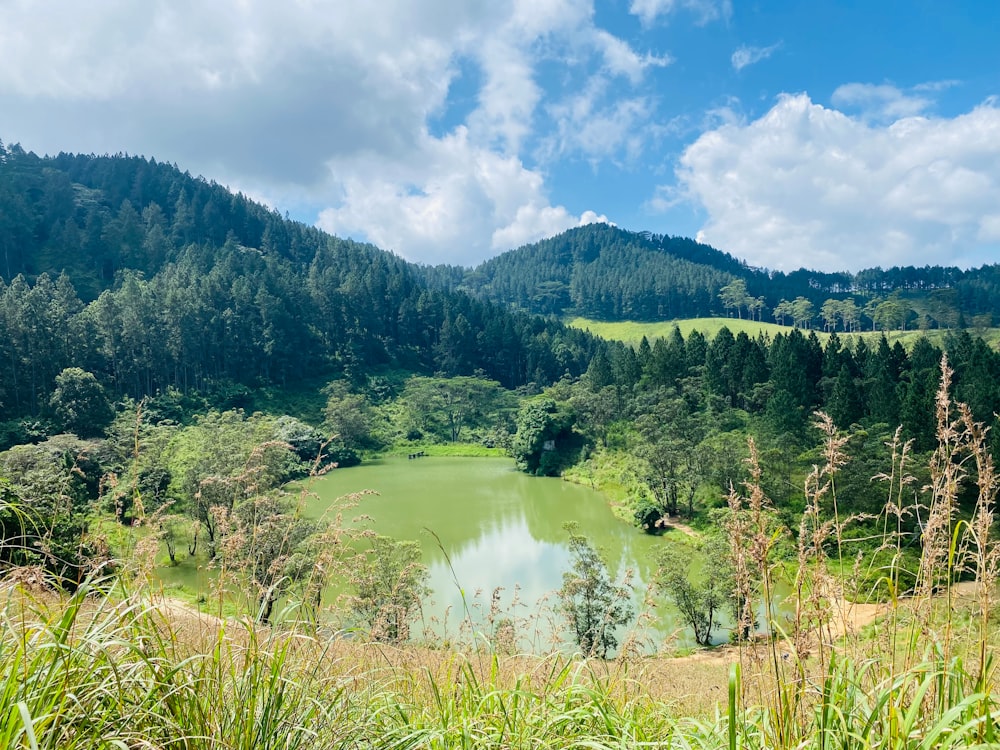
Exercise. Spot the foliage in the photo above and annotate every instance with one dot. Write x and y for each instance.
(272, 546)
(347, 417)
(445, 407)
(545, 441)
(699, 603)
(223, 458)
(305, 441)
(593, 605)
(46, 495)
(389, 582)
(177, 532)
(79, 404)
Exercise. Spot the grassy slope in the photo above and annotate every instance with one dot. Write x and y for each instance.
(134, 671)
(631, 332)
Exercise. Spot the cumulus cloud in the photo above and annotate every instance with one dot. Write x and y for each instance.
(245, 90)
(425, 210)
(745, 56)
(327, 104)
(810, 186)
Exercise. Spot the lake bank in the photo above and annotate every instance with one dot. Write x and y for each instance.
(494, 543)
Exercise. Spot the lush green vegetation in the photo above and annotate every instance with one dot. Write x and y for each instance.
(155, 329)
(114, 666)
(610, 274)
(149, 280)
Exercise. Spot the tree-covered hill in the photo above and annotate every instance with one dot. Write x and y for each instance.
(150, 278)
(606, 273)
(603, 272)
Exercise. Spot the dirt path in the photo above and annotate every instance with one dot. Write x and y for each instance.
(846, 617)
(673, 522)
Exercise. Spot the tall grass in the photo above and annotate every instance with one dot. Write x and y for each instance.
(100, 671)
(115, 666)
(926, 677)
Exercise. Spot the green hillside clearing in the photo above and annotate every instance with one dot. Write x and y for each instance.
(631, 332)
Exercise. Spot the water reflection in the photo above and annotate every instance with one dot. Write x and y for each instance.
(498, 527)
(493, 527)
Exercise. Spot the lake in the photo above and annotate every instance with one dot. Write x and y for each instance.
(483, 525)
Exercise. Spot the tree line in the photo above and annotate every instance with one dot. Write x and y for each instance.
(151, 279)
(607, 273)
(677, 412)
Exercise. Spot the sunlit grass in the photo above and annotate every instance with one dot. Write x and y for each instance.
(631, 332)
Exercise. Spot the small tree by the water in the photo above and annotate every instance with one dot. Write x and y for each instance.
(270, 544)
(699, 603)
(390, 582)
(594, 606)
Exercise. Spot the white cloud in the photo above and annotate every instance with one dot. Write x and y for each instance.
(935, 86)
(621, 59)
(460, 203)
(508, 98)
(745, 56)
(664, 198)
(809, 186)
(328, 103)
(704, 10)
(598, 129)
(880, 101)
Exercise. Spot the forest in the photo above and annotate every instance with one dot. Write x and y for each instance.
(175, 357)
(607, 273)
(134, 294)
(151, 279)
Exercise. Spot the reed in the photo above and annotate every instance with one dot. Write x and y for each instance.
(925, 676)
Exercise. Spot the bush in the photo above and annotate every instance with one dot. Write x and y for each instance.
(593, 605)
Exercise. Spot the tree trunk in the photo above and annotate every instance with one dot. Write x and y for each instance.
(266, 605)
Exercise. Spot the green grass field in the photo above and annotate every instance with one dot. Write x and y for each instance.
(631, 332)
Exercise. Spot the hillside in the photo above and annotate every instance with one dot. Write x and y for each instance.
(610, 274)
(152, 279)
(603, 272)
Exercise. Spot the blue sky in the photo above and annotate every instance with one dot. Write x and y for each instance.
(831, 135)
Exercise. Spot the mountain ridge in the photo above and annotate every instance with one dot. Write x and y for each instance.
(87, 215)
(152, 279)
(608, 273)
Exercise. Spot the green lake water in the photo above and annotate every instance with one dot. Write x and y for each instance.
(483, 525)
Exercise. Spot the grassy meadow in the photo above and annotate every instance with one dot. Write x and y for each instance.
(631, 332)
